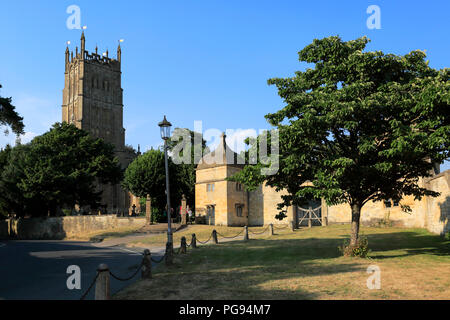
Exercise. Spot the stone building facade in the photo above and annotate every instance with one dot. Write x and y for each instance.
(93, 101)
(227, 203)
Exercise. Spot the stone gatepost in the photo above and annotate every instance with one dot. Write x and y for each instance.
(183, 211)
(148, 210)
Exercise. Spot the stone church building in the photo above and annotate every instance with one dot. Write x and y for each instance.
(227, 203)
(93, 101)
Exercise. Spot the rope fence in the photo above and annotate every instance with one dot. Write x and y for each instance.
(262, 232)
(130, 277)
(102, 278)
(90, 287)
(231, 237)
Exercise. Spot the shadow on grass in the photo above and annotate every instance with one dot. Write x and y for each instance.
(411, 243)
(306, 268)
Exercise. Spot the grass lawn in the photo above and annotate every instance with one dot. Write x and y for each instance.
(304, 264)
(104, 235)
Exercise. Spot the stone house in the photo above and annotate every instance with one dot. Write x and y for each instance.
(227, 203)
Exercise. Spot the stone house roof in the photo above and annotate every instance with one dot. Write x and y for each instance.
(221, 156)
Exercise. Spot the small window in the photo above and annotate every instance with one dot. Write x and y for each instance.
(238, 187)
(391, 203)
(239, 210)
(210, 187)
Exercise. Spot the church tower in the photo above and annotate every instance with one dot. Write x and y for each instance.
(93, 101)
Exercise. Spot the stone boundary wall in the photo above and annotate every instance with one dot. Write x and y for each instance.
(3, 229)
(430, 213)
(58, 228)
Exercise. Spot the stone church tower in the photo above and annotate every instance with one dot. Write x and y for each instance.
(93, 101)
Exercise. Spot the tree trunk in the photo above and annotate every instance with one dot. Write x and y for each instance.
(356, 214)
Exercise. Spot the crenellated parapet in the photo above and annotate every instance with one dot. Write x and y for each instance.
(92, 58)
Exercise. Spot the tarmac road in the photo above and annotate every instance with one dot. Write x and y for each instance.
(36, 270)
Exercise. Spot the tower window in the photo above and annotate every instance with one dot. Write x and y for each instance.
(210, 187)
(238, 187)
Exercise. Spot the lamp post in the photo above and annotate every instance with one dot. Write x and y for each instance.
(165, 135)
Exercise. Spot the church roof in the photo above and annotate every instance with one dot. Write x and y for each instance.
(222, 156)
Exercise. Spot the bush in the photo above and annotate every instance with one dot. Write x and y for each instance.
(361, 250)
(158, 216)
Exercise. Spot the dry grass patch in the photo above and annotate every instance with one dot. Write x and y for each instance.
(306, 264)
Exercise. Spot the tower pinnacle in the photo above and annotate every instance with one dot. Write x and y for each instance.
(83, 45)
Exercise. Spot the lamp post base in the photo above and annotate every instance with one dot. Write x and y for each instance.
(169, 253)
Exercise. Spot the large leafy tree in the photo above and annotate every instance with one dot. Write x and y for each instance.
(59, 169)
(146, 176)
(359, 126)
(189, 143)
(9, 117)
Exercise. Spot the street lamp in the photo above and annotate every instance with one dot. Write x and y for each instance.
(165, 135)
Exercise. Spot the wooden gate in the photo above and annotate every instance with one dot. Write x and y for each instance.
(309, 217)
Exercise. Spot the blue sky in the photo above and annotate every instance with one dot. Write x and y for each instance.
(195, 59)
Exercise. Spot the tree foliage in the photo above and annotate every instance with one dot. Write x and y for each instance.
(187, 141)
(359, 126)
(9, 117)
(59, 169)
(146, 174)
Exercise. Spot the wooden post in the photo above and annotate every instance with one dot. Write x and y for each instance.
(169, 254)
(271, 229)
(246, 233)
(194, 241)
(292, 224)
(214, 236)
(102, 283)
(310, 217)
(148, 210)
(183, 245)
(147, 265)
(324, 212)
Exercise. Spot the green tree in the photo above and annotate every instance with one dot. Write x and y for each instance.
(360, 126)
(147, 175)
(9, 117)
(59, 169)
(184, 140)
